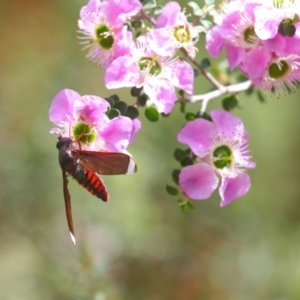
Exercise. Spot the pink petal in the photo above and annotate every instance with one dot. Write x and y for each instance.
(182, 75)
(234, 55)
(160, 41)
(297, 33)
(214, 42)
(198, 181)
(117, 134)
(123, 43)
(161, 93)
(62, 106)
(118, 12)
(277, 44)
(233, 188)
(55, 130)
(292, 46)
(122, 72)
(267, 20)
(228, 124)
(93, 108)
(91, 7)
(246, 157)
(135, 128)
(198, 135)
(168, 15)
(255, 62)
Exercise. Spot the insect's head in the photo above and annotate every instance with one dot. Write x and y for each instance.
(63, 142)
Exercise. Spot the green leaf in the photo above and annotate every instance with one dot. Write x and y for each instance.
(184, 208)
(157, 10)
(149, 4)
(113, 113)
(190, 205)
(185, 205)
(121, 106)
(181, 202)
(249, 91)
(136, 24)
(181, 93)
(171, 190)
(179, 154)
(108, 109)
(132, 112)
(206, 23)
(197, 11)
(196, 73)
(175, 175)
(135, 92)
(182, 107)
(187, 151)
(110, 101)
(230, 102)
(114, 98)
(186, 161)
(204, 116)
(142, 99)
(190, 116)
(205, 63)
(152, 114)
(260, 96)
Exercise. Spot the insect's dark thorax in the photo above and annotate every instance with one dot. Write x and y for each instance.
(67, 162)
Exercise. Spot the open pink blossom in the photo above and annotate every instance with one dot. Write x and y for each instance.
(222, 151)
(102, 26)
(174, 21)
(146, 67)
(83, 118)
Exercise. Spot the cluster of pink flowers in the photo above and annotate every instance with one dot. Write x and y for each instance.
(262, 39)
(146, 62)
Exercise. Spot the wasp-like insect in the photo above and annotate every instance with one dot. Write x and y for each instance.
(85, 166)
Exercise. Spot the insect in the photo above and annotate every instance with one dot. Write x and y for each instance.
(83, 166)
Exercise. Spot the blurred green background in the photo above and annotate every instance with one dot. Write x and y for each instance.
(138, 245)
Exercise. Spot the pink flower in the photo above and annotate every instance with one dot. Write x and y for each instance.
(83, 118)
(147, 67)
(222, 155)
(102, 26)
(182, 33)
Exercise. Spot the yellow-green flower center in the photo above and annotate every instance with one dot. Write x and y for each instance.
(151, 64)
(278, 70)
(223, 157)
(182, 34)
(250, 35)
(84, 133)
(104, 37)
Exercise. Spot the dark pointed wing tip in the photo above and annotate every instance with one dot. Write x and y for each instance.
(132, 167)
(73, 238)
